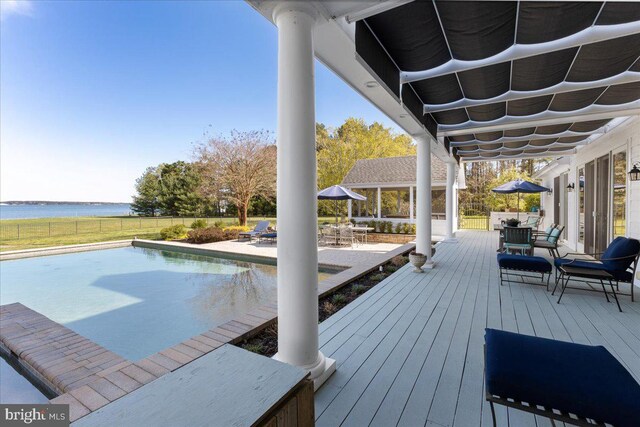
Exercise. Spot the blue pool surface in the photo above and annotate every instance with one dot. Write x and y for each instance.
(136, 301)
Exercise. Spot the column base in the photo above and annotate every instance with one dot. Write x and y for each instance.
(319, 372)
(429, 265)
(450, 240)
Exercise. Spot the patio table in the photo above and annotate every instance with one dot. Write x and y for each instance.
(363, 230)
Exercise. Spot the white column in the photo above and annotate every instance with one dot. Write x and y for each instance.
(379, 203)
(297, 204)
(349, 208)
(411, 204)
(423, 196)
(450, 202)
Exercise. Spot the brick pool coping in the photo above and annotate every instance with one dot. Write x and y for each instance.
(96, 378)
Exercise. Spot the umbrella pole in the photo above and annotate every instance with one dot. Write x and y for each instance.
(518, 207)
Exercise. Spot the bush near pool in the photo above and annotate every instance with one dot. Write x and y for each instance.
(211, 234)
(175, 232)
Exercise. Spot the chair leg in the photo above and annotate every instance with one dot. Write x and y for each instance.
(564, 287)
(493, 414)
(615, 296)
(604, 290)
(556, 284)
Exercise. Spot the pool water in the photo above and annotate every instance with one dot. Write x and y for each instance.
(15, 388)
(136, 301)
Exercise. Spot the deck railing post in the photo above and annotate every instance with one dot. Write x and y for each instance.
(296, 188)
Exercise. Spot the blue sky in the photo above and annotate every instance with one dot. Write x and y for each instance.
(91, 93)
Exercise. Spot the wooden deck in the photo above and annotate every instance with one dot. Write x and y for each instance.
(409, 351)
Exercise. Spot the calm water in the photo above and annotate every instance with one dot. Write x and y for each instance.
(61, 210)
(135, 301)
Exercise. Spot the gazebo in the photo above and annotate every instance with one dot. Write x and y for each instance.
(389, 184)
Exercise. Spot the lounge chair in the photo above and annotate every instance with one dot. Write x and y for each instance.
(260, 228)
(578, 384)
(620, 260)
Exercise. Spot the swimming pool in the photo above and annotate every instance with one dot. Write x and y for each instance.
(137, 301)
(16, 388)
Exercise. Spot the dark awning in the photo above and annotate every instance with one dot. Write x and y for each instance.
(508, 79)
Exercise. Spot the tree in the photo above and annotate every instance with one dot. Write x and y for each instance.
(238, 168)
(339, 149)
(146, 202)
(179, 183)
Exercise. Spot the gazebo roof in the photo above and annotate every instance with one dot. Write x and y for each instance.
(512, 79)
(392, 171)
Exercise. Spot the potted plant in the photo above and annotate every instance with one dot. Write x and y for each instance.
(512, 222)
(418, 260)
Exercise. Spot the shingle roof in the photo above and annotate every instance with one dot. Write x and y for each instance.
(392, 170)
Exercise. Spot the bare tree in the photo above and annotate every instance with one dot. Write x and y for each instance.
(238, 168)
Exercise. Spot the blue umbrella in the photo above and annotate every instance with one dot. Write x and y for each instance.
(519, 186)
(338, 192)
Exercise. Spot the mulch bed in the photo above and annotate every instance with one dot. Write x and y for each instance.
(266, 342)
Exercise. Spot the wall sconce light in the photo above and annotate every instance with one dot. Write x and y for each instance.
(550, 191)
(634, 173)
(571, 187)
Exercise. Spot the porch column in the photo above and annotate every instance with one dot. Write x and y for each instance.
(411, 204)
(297, 204)
(423, 195)
(450, 202)
(379, 203)
(349, 208)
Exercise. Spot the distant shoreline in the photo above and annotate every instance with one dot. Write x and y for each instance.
(48, 202)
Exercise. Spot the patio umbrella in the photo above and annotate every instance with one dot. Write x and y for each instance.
(519, 186)
(338, 192)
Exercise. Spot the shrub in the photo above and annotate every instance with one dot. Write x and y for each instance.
(399, 227)
(272, 330)
(210, 235)
(412, 229)
(174, 232)
(217, 224)
(388, 226)
(398, 261)
(338, 299)
(405, 228)
(254, 348)
(238, 228)
(372, 224)
(391, 268)
(329, 307)
(378, 277)
(199, 223)
(358, 289)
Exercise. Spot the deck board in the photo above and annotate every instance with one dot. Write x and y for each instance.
(409, 351)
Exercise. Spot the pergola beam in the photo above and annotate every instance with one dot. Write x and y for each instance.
(548, 154)
(533, 137)
(545, 118)
(593, 34)
(376, 8)
(512, 95)
(526, 147)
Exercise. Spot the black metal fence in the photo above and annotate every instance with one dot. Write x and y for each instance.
(473, 216)
(34, 230)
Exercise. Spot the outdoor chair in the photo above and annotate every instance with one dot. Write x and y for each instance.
(328, 235)
(518, 238)
(576, 384)
(550, 241)
(347, 236)
(619, 260)
(260, 228)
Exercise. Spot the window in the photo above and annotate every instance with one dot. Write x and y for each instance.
(619, 194)
(580, 187)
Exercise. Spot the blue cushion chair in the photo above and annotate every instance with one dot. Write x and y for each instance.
(550, 240)
(620, 260)
(540, 375)
(523, 264)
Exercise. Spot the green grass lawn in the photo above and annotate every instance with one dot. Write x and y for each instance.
(46, 232)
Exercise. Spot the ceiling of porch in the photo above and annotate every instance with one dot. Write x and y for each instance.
(499, 80)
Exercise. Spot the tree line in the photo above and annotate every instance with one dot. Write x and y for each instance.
(236, 174)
